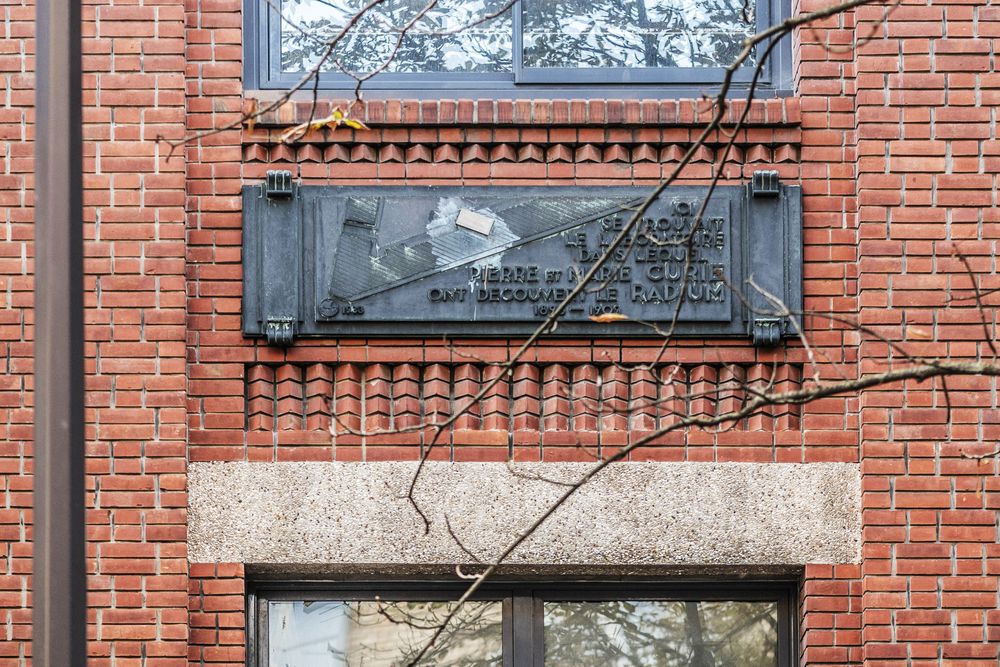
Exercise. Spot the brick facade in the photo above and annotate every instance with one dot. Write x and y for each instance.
(894, 144)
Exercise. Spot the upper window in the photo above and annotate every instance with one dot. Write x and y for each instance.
(499, 47)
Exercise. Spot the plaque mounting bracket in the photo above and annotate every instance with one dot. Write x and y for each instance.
(767, 331)
(765, 184)
(274, 257)
(774, 258)
(279, 331)
(279, 185)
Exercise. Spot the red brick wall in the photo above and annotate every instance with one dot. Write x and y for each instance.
(894, 147)
(136, 417)
(15, 376)
(927, 166)
(216, 615)
(134, 94)
(830, 618)
(830, 594)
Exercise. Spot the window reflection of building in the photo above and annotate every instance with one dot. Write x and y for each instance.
(382, 634)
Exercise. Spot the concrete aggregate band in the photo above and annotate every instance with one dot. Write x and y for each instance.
(631, 514)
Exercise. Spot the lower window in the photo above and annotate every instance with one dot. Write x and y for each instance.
(584, 624)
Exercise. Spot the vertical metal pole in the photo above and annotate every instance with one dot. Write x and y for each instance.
(59, 622)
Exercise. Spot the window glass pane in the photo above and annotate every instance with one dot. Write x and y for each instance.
(307, 26)
(382, 634)
(635, 33)
(661, 634)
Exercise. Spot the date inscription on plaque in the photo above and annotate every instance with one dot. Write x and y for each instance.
(489, 261)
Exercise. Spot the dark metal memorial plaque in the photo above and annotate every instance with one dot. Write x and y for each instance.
(413, 261)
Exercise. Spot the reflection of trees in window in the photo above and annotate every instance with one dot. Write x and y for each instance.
(308, 25)
(557, 34)
(660, 634)
(612, 633)
(472, 638)
(634, 33)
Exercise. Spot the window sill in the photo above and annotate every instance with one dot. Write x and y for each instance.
(776, 111)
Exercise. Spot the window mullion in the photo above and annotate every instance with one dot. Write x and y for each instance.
(517, 40)
(527, 635)
(787, 630)
(538, 617)
(508, 632)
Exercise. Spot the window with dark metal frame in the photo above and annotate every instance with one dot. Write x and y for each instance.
(580, 624)
(500, 48)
